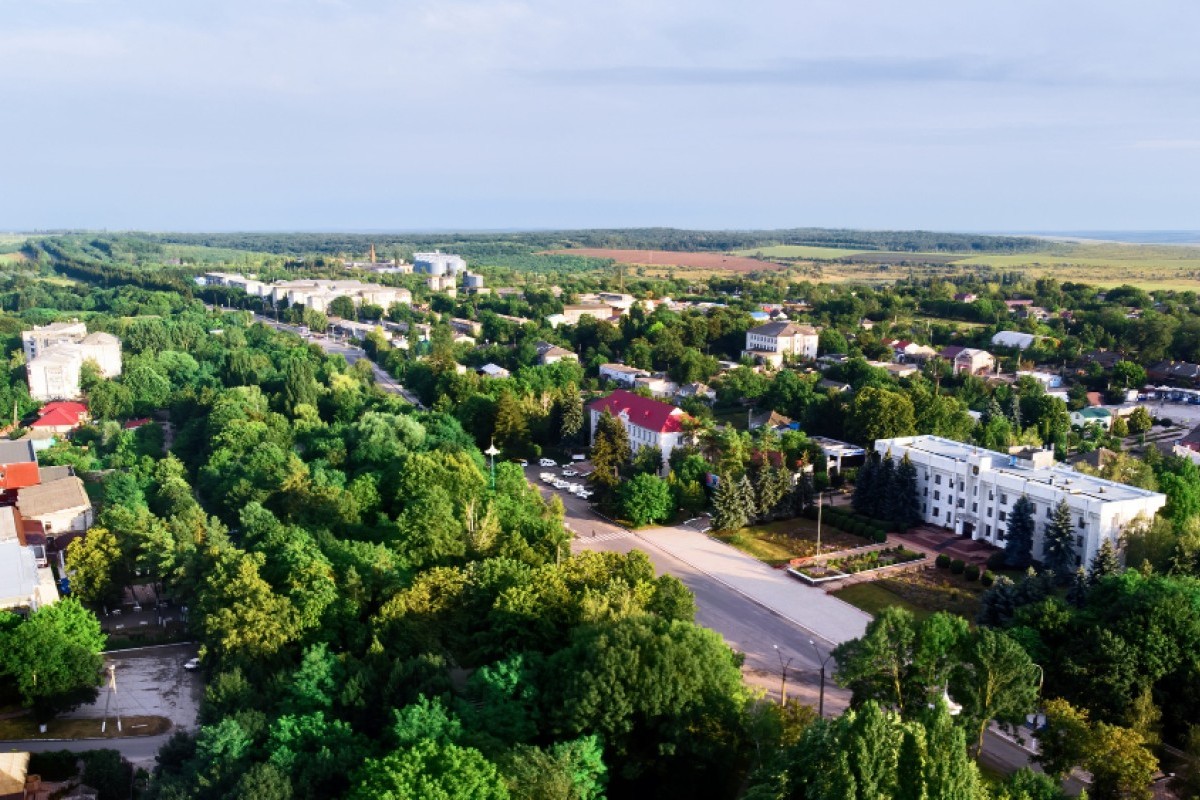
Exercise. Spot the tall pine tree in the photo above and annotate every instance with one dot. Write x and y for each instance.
(866, 485)
(885, 486)
(729, 508)
(1058, 543)
(1105, 563)
(610, 451)
(571, 408)
(1018, 541)
(904, 501)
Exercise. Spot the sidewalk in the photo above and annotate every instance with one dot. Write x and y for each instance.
(809, 607)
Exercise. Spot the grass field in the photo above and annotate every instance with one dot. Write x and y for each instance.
(922, 593)
(777, 543)
(797, 251)
(26, 728)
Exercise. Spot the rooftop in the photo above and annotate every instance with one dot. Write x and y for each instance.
(49, 498)
(782, 329)
(1061, 477)
(16, 452)
(641, 411)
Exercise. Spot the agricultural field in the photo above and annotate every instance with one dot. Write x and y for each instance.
(718, 262)
(799, 251)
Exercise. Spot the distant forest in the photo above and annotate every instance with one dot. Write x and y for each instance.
(497, 243)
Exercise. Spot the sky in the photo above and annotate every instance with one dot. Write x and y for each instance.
(513, 114)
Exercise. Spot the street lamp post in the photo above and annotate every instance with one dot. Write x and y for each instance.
(492, 452)
(824, 661)
(783, 668)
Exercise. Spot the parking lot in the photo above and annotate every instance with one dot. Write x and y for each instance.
(568, 479)
(151, 682)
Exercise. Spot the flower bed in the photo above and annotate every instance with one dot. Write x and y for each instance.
(875, 559)
(813, 571)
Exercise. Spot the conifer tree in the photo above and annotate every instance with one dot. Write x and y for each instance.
(729, 510)
(903, 503)
(769, 490)
(571, 408)
(885, 487)
(747, 497)
(610, 450)
(866, 485)
(1018, 540)
(1014, 412)
(1058, 543)
(1104, 564)
(1077, 594)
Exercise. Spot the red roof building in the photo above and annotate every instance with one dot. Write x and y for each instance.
(649, 423)
(18, 465)
(61, 416)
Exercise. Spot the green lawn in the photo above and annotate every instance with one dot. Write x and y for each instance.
(777, 543)
(873, 598)
(923, 593)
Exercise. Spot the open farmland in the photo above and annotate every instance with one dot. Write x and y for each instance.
(669, 258)
(798, 251)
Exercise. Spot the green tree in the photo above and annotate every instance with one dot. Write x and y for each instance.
(53, 657)
(610, 451)
(729, 505)
(1120, 764)
(876, 666)
(996, 680)
(570, 406)
(1105, 563)
(98, 570)
(1063, 741)
(905, 502)
(512, 424)
(1139, 421)
(876, 413)
(299, 384)
(430, 770)
(1018, 539)
(1025, 784)
(647, 460)
(571, 770)
(342, 306)
(646, 499)
(1058, 543)
(866, 497)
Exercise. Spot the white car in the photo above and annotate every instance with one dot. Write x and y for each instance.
(548, 462)
(192, 664)
(547, 477)
(569, 473)
(586, 493)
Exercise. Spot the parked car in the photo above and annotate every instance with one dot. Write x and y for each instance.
(548, 462)
(569, 473)
(192, 664)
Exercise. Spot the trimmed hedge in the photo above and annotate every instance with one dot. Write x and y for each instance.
(957, 566)
(971, 573)
(942, 561)
(987, 579)
(996, 560)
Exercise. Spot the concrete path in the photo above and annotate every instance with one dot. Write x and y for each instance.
(809, 607)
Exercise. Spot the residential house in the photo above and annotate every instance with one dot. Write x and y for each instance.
(61, 507)
(552, 353)
(25, 578)
(658, 385)
(600, 311)
(1192, 440)
(648, 422)
(966, 297)
(701, 391)
(971, 491)
(15, 783)
(490, 370)
(622, 374)
(1105, 358)
(1093, 415)
(768, 419)
(1048, 380)
(467, 326)
(906, 352)
(1016, 305)
(62, 416)
(18, 465)
(838, 454)
(968, 359)
(1177, 372)
(772, 342)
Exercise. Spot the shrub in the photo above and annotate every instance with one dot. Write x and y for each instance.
(971, 573)
(942, 561)
(957, 566)
(987, 579)
(996, 560)
(880, 536)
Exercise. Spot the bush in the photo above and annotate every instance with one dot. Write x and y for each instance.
(971, 573)
(996, 560)
(880, 536)
(54, 765)
(987, 579)
(942, 561)
(957, 566)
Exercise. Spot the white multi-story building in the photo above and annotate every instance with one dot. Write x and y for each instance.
(648, 422)
(56, 355)
(972, 491)
(773, 341)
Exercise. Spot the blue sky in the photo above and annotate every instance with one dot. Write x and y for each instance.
(478, 114)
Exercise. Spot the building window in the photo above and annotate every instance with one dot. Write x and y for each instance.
(974, 508)
(1079, 541)
(924, 508)
(937, 511)
(987, 530)
(1082, 522)
(938, 480)
(991, 495)
(1032, 509)
(927, 491)
(937, 495)
(1003, 499)
(1003, 516)
(961, 503)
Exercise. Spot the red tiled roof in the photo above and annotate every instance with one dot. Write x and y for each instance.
(136, 423)
(58, 414)
(642, 411)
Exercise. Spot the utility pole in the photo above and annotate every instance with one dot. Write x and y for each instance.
(824, 661)
(111, 697)
(783, 668)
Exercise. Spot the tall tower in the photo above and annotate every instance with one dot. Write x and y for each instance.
(371, 257)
